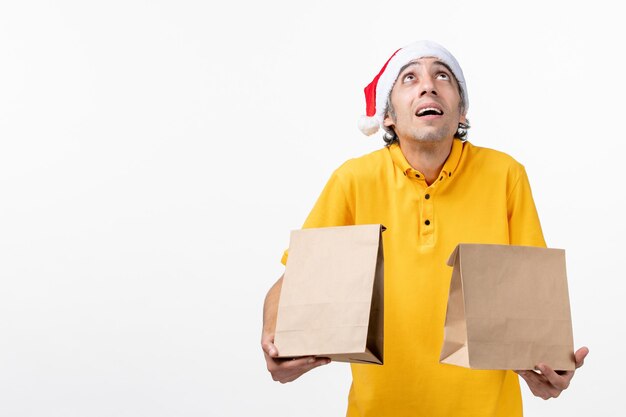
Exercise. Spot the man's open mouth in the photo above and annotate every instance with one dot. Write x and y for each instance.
(429, 111)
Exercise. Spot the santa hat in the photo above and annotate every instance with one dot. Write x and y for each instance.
(377, 92)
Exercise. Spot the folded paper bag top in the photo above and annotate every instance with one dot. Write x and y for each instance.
(331, 301)
(508, 308)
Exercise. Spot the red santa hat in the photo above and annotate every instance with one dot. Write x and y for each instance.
(377, 92)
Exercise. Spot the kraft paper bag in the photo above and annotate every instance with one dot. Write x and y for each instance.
(508, 309)
(331, 302)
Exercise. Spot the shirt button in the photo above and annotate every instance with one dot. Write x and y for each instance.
(427, 222)
(417, 175)
(427, 196)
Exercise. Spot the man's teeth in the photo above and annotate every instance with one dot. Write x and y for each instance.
(428, 111)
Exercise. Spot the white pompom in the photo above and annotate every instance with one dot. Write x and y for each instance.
(368, 125)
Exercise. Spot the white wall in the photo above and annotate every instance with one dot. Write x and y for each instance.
(155, 155)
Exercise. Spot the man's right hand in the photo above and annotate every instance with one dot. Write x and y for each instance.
(282, 370)
(287, 370)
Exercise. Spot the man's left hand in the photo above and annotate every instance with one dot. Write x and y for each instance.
(549, 383)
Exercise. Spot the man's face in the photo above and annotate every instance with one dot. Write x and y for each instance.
(426, 102)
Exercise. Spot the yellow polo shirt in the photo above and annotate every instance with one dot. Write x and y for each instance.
(481, 196)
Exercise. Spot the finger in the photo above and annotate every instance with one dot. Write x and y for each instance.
(580, 356)
(558, 381)
(308, 362)
(270, 349)
(318, 362)
(299, 362)
(523, 372)
(291, 372)
(523, 375)
(531, 377)
(536, 383)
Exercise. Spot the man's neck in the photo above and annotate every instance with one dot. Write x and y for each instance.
(427, 157)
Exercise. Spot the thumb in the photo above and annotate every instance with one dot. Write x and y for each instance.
(270, 349)
(580, 356)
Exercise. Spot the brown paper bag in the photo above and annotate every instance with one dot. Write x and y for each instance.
(508, 309)
(331, 302)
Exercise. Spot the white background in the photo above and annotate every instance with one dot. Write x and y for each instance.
(155, 155)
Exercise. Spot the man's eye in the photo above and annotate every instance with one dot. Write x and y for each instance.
(409, 77)
(443, 76)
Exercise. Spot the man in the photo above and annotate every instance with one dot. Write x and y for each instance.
(432, 190)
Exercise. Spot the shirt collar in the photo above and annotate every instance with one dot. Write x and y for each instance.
(454, 158)
(448, 167)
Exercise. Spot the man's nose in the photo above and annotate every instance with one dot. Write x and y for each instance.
(427, 86)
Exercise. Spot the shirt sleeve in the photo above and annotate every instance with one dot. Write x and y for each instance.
(334, 207)
(524, 225)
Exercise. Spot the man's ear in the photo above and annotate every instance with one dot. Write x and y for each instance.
(388, 121)
(463, 119)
